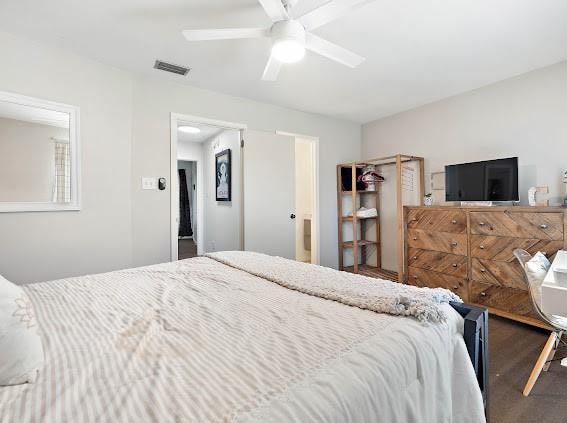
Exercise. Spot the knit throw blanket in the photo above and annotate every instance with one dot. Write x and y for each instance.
(367, 293)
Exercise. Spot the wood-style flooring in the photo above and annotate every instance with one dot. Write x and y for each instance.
(513, 350)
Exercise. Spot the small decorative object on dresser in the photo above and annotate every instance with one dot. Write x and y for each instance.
(532, 196)
(428, 199)
(469, 250)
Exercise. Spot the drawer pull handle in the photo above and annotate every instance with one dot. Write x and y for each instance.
(454, 222)
(415, 277)
(482, 247)
(454, 243)
(483, 294)
(543, 226)
(415, 238)
(456, 287)
(455, 264)
(414, 220)
(481, 223)
(482, 270)
(415, 258)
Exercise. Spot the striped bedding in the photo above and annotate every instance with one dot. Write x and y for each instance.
(199, 341)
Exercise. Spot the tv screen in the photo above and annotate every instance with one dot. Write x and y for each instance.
(492, 180)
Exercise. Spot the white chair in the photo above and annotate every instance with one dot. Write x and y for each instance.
(534, 272)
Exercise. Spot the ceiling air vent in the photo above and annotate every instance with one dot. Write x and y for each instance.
(170, 67)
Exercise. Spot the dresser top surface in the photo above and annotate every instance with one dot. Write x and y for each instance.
(490, 208)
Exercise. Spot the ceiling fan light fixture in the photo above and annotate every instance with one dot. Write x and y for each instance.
(288, 50)
(289, 41)
(189, 129)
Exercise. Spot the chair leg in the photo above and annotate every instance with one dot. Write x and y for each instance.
(540, 363)
(553, 351)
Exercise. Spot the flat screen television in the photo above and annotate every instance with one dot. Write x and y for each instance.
(491, 180)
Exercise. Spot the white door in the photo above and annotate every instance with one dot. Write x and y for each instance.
(269, 193)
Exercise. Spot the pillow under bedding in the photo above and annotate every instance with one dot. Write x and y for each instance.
(21, 351)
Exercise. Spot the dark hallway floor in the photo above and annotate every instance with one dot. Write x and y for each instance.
(187, 248)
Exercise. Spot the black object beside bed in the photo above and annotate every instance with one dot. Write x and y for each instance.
(476, 341)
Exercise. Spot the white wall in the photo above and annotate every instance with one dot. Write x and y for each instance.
(27, 160)
(222, 218)
(524, 116)
(125, 135)
(49, 245)
(153, 102)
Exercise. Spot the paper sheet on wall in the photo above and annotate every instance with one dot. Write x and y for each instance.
(408, 178)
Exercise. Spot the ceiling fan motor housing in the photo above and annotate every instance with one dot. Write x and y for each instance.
(288, 30)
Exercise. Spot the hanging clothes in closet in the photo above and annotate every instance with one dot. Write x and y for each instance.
(185, 228)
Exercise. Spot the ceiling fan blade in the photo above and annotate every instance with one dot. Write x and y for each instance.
(329, 12)
(224, 34)
(275, 10)
(332, 51)
(272, 69)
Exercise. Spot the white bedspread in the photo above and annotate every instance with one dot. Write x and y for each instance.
(200, 341)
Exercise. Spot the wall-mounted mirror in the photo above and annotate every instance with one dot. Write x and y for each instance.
(39, 155)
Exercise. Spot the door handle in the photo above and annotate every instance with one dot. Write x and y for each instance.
(292, 216)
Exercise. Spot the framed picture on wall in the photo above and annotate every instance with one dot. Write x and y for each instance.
(223, 175)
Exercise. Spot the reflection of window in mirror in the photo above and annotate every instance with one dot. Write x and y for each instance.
(37, 170)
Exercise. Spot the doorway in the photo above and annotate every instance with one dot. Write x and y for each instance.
(262, 214)
(281, 195)
(206, 194)
(304, 198)
(187, 183)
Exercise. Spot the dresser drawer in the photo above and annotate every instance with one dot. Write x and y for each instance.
(510, 300)
(438, 241)
(500, 273)
(454, 221)
(502, 248)
(437, 261)
(518, 224)
(429, 279)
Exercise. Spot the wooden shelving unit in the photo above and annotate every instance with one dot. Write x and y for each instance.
(366, 230)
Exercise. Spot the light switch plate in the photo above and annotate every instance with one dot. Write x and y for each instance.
(149, 183)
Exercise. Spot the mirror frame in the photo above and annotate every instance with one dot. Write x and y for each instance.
(74, 145)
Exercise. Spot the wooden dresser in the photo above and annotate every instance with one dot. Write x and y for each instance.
(469, 251)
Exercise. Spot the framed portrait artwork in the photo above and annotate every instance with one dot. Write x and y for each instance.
(223, 175)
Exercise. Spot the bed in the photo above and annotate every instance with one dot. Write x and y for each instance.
(212, 340)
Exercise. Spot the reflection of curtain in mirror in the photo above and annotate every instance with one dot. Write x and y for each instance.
(62, 186)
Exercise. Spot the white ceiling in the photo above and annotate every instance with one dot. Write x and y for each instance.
(417, 51)
(206, 133)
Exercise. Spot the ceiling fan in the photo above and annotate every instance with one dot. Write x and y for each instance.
(290, 36)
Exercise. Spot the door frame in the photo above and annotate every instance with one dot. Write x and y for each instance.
(175, 118)
(315, 215)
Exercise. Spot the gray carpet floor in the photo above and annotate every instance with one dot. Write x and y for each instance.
(513, 350)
